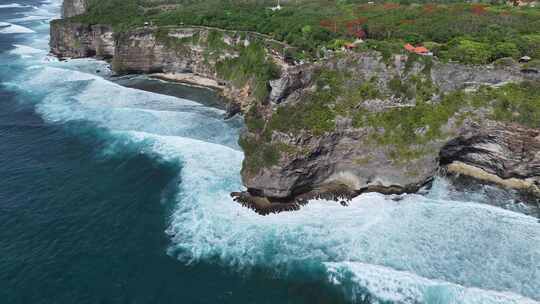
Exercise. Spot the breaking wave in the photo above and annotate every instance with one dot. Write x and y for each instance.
(9, 28)
(26, 51)
(361, 281)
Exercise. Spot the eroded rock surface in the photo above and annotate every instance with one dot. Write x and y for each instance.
(504, 154)
(77, 40)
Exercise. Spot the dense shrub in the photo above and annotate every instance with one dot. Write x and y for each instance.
(530, 45)
(469, 51)
(505, 49)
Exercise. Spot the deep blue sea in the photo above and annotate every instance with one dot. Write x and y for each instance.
(113, 192)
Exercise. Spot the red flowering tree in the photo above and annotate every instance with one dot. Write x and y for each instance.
(390, 6)
(478, 9)
(354, 28)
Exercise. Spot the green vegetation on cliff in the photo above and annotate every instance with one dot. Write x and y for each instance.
(259, 154)
(409, 128)
(406, 128)
(252, 65)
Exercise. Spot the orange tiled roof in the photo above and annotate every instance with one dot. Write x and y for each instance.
(409, 47)
(419, 50)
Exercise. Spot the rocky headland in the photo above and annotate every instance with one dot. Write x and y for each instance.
(342, 125)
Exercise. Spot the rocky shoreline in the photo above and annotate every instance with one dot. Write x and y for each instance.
(305, 136)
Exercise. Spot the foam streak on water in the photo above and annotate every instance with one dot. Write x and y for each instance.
(12, 5)
(423, 249)
(9, 28)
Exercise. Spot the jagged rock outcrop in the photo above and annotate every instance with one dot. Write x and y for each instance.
(507, 155)
(452, 76)
(71, 8)
(293, 78)
(339, 163)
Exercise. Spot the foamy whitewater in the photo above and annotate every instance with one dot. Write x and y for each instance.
(12, 5)
(9, 28)
(422, 249)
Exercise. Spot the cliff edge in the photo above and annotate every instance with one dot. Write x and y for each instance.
(348, 123)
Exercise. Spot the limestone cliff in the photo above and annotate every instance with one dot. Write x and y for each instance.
(502, 154)
(371, 150)
(348, 124)
(171, 51)
(77, 40)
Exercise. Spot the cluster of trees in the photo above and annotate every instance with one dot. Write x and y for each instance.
(471, 33)
(470, 51)
(122, 14)
(467, 33)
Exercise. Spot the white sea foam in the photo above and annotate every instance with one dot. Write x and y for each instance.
(120, 108)
(458, 243)
(12, 5)
(9, 28)
(31, 18)
(386, 284)
(46, 12)
(26, 51)
(420, 249)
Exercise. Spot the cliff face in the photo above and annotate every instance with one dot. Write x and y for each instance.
(71, 8)
(340, 127)
(76, 40)
(189, 50)
(142, 51)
